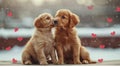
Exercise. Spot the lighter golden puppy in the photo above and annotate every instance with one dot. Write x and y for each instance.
(67, 41)
(41, 44)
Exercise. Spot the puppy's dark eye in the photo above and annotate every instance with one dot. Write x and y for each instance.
(63, 17)
(48, 18)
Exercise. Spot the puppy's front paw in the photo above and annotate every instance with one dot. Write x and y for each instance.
(28, 62)
(60, 62)
(85, 62)
(43, 63)
(77, 62)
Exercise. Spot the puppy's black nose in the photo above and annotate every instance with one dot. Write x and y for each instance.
(55, 22)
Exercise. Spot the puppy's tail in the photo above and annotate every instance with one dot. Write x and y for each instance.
(92, 62)
(88, 62)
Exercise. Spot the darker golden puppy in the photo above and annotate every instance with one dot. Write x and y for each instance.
(68, 44)
(66, 38)
(41, 44)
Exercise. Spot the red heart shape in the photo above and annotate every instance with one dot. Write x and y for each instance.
(102, 46)
(109, 20)
(117, 9)
(14, 60)
(9, 14)
(90, 7)
(93, 35)
(100, 60)
(20, 38)
(113, 33)
(16, 29)
(8, 48)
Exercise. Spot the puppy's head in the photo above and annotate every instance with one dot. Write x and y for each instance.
(44, 20)
(65, 18)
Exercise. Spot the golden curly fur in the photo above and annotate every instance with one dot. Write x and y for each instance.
(41, 44)
(68, 44)
(66, 38)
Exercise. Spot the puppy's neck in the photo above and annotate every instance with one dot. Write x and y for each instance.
(43, 29)
(64, 29)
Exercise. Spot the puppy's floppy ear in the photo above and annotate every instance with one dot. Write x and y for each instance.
(74, 20)
(37, 23)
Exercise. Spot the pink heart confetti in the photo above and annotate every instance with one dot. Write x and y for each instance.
(93, 35)
(20, 38)
(109, 20)
(118, 9)
(9, 14)
(90, 7)
(102, 46)
(113, 33)
(8, 48)
(14, 60)
(100, 60)
(16, 29)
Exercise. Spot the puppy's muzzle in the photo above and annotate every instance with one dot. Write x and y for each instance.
(55, 22)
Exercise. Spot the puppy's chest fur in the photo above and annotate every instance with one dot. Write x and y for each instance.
(44, 40)
(65, 39)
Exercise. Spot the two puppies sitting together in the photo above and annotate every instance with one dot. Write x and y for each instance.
(64, 47)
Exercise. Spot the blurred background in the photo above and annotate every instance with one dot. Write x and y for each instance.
(99, 25)
(93, 13)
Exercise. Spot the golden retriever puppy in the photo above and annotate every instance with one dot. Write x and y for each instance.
(41, 44)
(67, 41)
